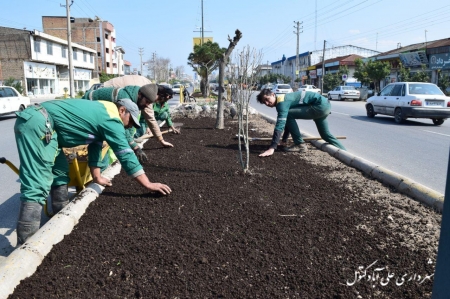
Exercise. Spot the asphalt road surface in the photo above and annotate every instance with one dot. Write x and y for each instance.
(417, 149)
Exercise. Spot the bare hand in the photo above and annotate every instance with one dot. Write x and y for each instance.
(175, 130)
(267, 153)
(164, 189)
(166, 144)
(101, 180)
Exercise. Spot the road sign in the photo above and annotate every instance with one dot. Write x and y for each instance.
(344, 77)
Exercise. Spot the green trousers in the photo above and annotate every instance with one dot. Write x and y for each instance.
(318, 113)
(42, 164)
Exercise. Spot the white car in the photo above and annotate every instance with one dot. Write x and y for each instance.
(176, 88)
(309, 88)
(404, 100)
(341, 93)
(281, 89)
(12, 101)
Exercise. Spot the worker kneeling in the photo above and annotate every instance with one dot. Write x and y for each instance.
(41, 131)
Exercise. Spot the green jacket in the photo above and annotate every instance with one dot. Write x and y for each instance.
(288, 101)
(80, 122)
(112, 94)
(164, 110)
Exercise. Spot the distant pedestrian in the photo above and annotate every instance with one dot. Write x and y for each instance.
(293, 106)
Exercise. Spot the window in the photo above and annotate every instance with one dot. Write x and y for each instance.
(106, 35)
(387, 90)
(74, 55)
(107, 50)
(98, 39)
(63, 51)
(37, 46)
(398, 90)
(99, 54)
(107, 64)
(49, 48)
(91, 58)
(84, 56)
(10, 93)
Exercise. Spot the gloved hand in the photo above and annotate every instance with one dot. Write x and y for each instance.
(142, 157)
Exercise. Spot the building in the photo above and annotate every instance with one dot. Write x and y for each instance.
(263, 69)
(308, 61)
(434, 56)
(40, 62)
(96, 34)
(126, 67)
(332, 66)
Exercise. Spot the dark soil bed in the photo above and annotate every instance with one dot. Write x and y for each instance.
(301, 226)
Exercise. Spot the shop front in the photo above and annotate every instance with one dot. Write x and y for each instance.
(40, 78)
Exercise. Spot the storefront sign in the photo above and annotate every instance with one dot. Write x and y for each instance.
(410, 59)
(313, 74)
(440, 61)
(319, 72)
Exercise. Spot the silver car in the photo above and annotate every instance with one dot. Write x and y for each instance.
(281, 88)
(404, 100)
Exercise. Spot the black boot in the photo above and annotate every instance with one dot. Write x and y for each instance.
(29, 221)
(60, 197)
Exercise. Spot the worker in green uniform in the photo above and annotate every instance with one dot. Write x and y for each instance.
(162, 110)
(293, 106)
(144, 97)
(41, 131)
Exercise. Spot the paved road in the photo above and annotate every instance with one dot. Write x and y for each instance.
(417, 149)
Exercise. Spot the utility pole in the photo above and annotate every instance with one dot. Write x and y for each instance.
(323, 64)
(297, 26)
(154, 65)
(202, 27)
(141, 52)
(69, 49)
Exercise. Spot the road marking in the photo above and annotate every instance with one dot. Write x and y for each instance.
(340, 113)
(436, 133)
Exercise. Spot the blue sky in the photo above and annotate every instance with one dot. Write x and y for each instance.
(167, 27)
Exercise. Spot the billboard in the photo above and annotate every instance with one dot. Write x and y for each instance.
(410, 59)
(440, 61)
(198, 40)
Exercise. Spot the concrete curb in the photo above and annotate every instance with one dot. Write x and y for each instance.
(402, 184)
(23, 261)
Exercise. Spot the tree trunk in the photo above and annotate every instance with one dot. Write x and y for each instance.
(231, 46)
(219, 120)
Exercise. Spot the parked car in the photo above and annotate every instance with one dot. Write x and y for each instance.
(95, 86)
(341, 93)
(11, 100)
(404, 100)
(267, 86)
(309, 88)
(176, 88)
(281, 88)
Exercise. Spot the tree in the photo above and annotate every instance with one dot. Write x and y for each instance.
(274, 78)
(12, 82)
(371, 71)
(361, 72)
(443, 82)
(421, 76)
(330, 81)
(377, 71)
(246, 63)
(222, 61)
(204, 60)
(404, 73)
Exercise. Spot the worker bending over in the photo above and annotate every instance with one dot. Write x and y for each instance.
(293, 106)
(162, 109)
(144, 97)
(41, 131)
